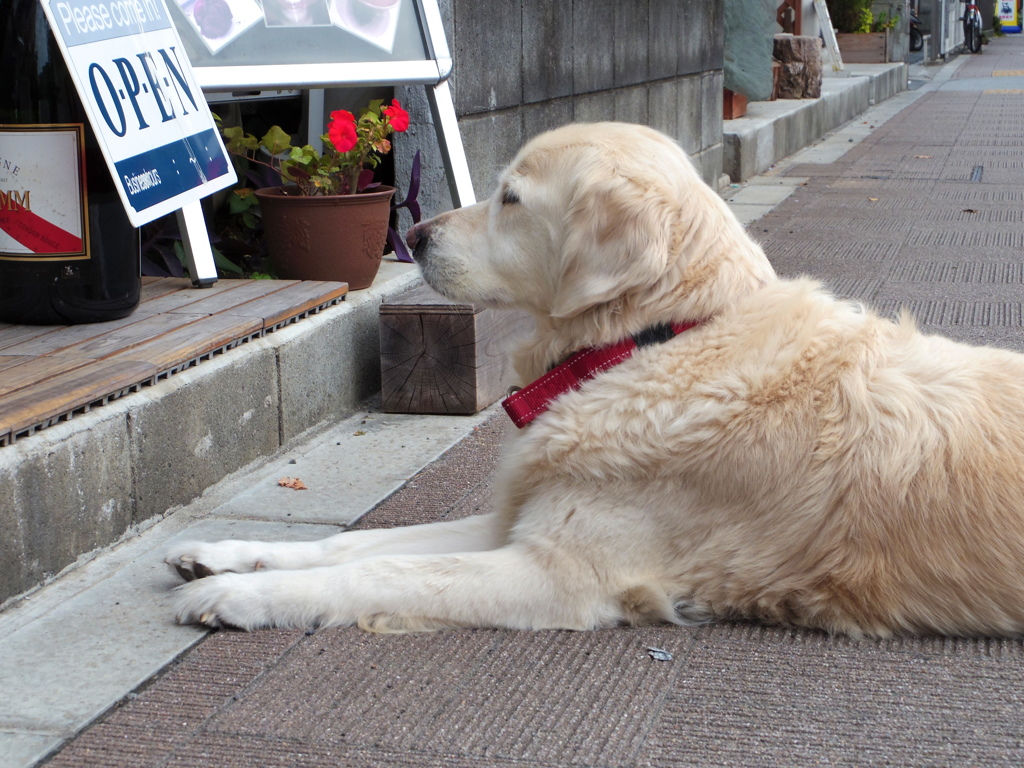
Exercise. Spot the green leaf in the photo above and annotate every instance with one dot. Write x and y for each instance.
(224, 263)
(241, 201)
(276, 141)
(238, 141)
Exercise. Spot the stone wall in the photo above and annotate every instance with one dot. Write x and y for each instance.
(524, 66)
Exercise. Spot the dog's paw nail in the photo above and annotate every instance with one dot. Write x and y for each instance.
(185, 573)
(202, 571)
(259, 566)
(209, 619)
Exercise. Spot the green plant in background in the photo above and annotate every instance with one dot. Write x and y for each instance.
(850, 15)
(885, 21)
(864, 22)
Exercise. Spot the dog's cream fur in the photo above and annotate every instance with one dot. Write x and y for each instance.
(794, 458)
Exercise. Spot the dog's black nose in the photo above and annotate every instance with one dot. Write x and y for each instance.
(417, 234)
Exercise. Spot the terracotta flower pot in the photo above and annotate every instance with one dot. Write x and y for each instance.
(332, 237)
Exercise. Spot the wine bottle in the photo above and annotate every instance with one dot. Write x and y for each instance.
(68, 253)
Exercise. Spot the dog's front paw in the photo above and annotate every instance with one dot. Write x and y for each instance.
(197, 560)
(283, 599)
(228, 600)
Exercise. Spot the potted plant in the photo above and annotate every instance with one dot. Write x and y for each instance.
(329, 221)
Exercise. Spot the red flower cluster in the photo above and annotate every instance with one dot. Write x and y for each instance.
(342, 131)
(398, 116)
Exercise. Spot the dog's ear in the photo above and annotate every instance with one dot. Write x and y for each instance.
(618, 239)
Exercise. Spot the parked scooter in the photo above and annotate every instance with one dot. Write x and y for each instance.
(916, 36)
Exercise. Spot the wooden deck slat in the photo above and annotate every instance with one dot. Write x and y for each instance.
(184, 344)
(69, 391)
(33, 370)
(289, 302)
(18, 334)
(50, 372)
(118, 339)
(9, 361)
(72, 337)
(181, 293)
(247, 291)
(153, 288)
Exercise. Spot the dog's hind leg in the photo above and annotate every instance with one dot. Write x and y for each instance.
(511, 587)
(195, 559)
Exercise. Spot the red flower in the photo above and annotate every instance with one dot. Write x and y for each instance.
(399, 117)
(342, 131)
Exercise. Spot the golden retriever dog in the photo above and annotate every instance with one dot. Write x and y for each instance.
(790, 458)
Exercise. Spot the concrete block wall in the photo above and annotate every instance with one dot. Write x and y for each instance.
(525, 66)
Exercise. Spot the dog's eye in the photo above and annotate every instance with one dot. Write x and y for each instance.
(509, 197)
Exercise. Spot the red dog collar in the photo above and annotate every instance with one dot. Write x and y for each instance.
(532, 400)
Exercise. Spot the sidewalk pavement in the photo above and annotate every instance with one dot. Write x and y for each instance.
(920, 202)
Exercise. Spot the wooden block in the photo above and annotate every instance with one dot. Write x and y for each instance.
(734, 104)
(440, 357)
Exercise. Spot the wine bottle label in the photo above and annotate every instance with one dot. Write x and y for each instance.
(43, 204)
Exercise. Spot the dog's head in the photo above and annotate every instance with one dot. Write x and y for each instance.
(585, 216)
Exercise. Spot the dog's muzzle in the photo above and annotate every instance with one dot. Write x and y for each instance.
(417, 239)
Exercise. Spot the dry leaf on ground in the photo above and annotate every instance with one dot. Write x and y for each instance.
(292, 482)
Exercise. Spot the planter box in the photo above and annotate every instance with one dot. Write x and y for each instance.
(864, 47)
(440, 357)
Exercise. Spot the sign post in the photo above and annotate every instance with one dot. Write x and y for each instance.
(146, 108)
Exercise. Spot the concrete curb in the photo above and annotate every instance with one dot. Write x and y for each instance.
(773, 130)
